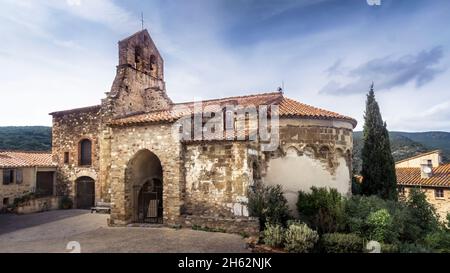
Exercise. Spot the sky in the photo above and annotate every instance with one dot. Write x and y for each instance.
(62, 54)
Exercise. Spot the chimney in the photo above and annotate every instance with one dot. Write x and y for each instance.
(426, 169)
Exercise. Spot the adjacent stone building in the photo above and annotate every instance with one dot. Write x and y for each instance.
(192, 163)
(427, 172)
(22, 173)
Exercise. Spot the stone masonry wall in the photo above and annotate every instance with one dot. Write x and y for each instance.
(68, 130)
(217, 179)
(125, 143)
(442, 205)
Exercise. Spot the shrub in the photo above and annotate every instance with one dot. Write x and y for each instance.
(380, 223)
(405, 226)
(448, 220)
(341, 243)
(273, 235)
(439, 241)
(269, 205)
(299, 238)
(413, 248)
(389, 248)
(66, 203)
(322, 209)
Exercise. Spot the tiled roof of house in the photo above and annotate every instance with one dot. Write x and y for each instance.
(288, 108)
(13, 159)
(412, 177)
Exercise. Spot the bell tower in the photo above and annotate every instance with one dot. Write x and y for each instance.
(139, 85)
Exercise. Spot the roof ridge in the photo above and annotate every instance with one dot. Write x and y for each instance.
(235, 97)
(132, 35)
(76, 109)
(419, 155)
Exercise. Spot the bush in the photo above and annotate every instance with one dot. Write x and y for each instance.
(273, 235)
(448, 220)
(389, 248)
(341, 243)
(380, 223)
(322, 209)
(299, 238)
(413, 248)
(439, 241)
(269, 205)
(66, 203)
(410, 220)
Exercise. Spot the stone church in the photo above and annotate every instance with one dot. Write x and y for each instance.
(131, 150)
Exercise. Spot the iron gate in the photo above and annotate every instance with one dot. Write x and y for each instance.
(150, 204)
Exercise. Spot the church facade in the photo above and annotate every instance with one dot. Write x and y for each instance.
(192, 163)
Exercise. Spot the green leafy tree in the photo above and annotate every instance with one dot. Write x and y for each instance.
(378, 167)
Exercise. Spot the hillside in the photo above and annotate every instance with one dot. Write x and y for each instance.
(30, 138)
(404, 145)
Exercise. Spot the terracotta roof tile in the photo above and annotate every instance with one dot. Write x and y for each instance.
(288, 108)
(412, 177)
(12, 159)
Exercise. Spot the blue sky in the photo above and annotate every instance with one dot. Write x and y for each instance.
(61, 54)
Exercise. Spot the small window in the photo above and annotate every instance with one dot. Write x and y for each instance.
(8, 176)
(85, 152)
(66, 158)
(402, 191)
(439, 193)
(5, 201)
(152, 62)
(229, 120)
(137, 54)
(430, 162)
(19, 176)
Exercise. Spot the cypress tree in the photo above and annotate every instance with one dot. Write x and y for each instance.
(378, 166)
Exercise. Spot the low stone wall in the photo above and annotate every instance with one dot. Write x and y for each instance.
(39, 205)
(241, 225)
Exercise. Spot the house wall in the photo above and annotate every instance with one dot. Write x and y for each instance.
(67, 132)
(442, 205)
(415, 162)
(311, 153)
(14, 190)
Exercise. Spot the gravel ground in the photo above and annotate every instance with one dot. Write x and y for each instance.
(52, 231)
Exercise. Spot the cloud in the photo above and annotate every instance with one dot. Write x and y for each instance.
(435, 117)
(74, 2)
(387, 72)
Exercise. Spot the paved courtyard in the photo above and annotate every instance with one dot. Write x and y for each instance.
(52, 231)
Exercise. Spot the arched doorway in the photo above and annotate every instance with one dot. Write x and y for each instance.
(85, 192)
(144, 178)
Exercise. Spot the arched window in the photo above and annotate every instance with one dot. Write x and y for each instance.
(85, 152)
(137, 55)
(153, 62)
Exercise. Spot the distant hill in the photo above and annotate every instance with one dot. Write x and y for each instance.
(404, 145)
(29, 138)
